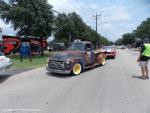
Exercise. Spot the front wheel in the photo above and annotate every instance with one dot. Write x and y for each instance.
(77, 68)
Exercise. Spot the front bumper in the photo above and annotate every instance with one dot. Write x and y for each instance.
(57, 71)
(110, 55)
(6, 67)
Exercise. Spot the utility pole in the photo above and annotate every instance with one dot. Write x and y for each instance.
(97, 39)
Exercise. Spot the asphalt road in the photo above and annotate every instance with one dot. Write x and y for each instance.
(113, 88)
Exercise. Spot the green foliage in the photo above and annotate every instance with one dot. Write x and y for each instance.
(28, 17)
(128, 39)
(35, 17)
(71, 26)
(142, 31)
(119, 41)
(37, 61)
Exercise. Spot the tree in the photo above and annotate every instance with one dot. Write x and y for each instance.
(143, 30)
(28, 17)
(137, 35)
(128, 39)
(71, 26)
(119, 41)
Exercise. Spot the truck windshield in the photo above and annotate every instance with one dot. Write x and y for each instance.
(76, 46)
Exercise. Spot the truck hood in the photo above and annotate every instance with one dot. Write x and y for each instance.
(64, 55)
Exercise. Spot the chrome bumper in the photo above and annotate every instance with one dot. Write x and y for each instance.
(6, 67)
(57, 71)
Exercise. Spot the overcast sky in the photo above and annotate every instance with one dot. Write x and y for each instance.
(117, 16)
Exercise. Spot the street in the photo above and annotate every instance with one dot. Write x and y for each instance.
(113, 88)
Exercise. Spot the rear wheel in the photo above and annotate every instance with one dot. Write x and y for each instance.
(77, 68)
(101, 59)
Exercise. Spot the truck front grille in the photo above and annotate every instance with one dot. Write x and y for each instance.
(59, 65)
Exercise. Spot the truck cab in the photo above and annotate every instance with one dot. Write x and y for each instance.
(86, 49)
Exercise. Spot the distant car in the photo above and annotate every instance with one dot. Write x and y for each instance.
(50, 48)
(110, 51)
(5, 62)
(121, 47)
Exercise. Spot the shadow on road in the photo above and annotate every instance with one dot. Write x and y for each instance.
(4, 77)
(70, 75)
(110, 58)
(137, 77)
(59, 75)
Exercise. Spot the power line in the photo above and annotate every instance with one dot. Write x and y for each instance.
(88, 6)
(75, 7)
(56, 11)
(63, 3)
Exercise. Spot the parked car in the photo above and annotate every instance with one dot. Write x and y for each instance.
(50, 48)
(110, 51)
(5, 62)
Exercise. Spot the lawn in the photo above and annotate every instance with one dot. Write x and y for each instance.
(37, 61)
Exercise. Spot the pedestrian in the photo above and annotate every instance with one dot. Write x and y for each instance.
(144, 59)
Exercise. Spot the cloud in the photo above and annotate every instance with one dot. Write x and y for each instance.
(2, 25)
(118, 16)
(66, 6)
(6, 28)
(111, 13)
(148, 5)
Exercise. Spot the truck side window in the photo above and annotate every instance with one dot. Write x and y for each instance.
(88, 47)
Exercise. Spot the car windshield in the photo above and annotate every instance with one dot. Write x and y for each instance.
(107, 47)
(76, 46)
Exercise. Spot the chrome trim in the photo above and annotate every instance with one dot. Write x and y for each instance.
(58, 65)
(57, 71)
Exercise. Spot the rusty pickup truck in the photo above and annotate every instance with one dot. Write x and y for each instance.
(78, 57)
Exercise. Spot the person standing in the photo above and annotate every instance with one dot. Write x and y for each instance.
(144, 59)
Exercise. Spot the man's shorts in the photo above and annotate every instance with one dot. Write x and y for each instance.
(143, 63)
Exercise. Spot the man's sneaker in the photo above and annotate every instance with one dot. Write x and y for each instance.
(147, 77)
(143, 77)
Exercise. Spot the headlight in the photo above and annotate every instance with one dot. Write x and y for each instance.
(69, 61)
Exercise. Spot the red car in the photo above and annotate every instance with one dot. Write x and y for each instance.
(110, 51)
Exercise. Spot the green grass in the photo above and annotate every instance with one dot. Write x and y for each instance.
(37, 61)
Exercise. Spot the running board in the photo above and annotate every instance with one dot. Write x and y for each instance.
(92, 66)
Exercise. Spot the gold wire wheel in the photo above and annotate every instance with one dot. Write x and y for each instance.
(77, 69)
(103, 61)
